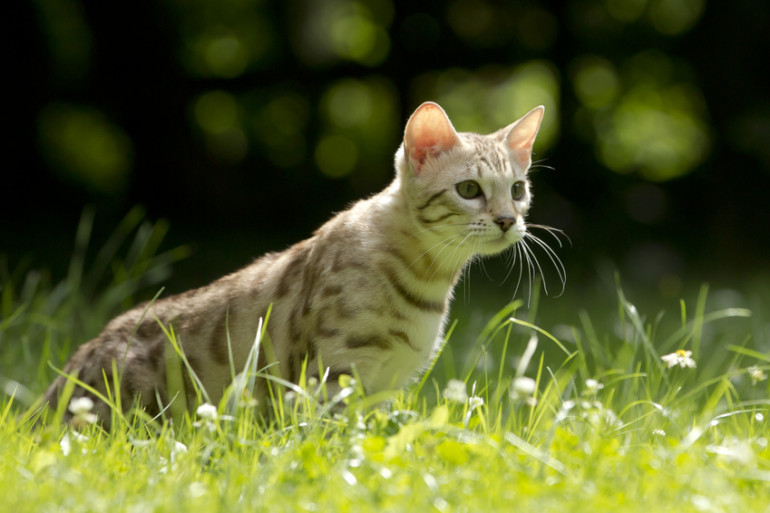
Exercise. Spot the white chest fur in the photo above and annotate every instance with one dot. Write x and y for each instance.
(405, 361)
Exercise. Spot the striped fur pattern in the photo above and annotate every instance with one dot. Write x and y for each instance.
(369, 292)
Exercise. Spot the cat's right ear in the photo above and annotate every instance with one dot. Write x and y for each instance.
(428, 133)
(520, 136)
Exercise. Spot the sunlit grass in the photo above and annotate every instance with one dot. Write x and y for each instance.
(579, 418)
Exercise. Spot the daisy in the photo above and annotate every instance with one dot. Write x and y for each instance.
(680, 357)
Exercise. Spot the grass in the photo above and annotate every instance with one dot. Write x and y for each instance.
(582, 415)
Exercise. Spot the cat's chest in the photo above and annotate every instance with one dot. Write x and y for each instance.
(405, 360)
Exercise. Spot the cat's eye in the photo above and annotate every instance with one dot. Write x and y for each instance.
(469, 189)
(517, 191)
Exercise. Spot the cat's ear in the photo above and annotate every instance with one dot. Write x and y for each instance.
(520, 136)
(428, 133)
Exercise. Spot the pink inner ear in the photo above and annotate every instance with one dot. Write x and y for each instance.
(428, 133)
(521, 136)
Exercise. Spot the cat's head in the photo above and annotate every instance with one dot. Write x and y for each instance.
(467, 188)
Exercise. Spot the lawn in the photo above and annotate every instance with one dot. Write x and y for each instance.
(530, 410)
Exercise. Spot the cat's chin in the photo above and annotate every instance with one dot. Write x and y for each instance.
(498, 245)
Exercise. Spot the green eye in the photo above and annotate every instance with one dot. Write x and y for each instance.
(517, 191)
(468, 189)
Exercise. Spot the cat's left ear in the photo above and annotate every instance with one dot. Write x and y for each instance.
(428, 133)
(520, 136)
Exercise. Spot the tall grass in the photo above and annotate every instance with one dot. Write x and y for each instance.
(42, 321)
(583, 416)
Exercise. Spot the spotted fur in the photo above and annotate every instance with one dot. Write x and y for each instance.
(369, 292)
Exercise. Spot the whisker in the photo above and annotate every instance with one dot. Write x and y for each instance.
(516, 258)
(457, 260)
(554, 257)
(553, 232)
(446, 242)
(535, 264)
(510, 262)
(524, 261)
(538, 164)
(555, 260)
(431, 271)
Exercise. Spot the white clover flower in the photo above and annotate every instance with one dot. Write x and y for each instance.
(177, 448)
(679, 357)
(523, 389)
(81, 407)
(455, 391)
(756, 374)
(593, 386)
(524, 386)
(207, 412)
(475, 401)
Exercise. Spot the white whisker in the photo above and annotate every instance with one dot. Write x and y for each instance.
(553, 232)
(555, 260)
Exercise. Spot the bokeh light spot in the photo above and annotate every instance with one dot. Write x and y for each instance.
(280, 125)
(341, 30)
(674, 17)
(625, 10)
(349, 104)
(216, 111)
(490, 98)
(655, 131)
(83, 145)
(596, 81)
(225, 56)
(336, 156)
(218, 114)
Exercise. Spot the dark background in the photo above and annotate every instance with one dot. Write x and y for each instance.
(245, 123)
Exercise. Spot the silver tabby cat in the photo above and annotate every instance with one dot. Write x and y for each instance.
(368, 293)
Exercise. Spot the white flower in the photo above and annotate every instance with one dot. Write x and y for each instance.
(475, 401)
(756, 374)
(593, 386)
(679, 357)
(81, 407)
(177, 448)
(207, 412)
(66, 442)
(455, 391)
(523, 389)
(524, 386)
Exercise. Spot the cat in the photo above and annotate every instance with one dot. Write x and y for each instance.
(367, 295)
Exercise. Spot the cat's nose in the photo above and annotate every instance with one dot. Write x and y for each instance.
(505, 222)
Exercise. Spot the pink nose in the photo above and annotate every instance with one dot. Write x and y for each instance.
(505, 222)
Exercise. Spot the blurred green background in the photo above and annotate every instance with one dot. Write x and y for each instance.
(245, 123)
